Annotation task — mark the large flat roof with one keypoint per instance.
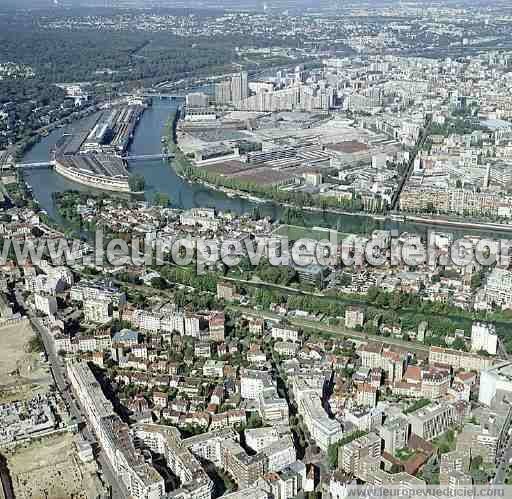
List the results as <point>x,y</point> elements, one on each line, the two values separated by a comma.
<point>348,147</point>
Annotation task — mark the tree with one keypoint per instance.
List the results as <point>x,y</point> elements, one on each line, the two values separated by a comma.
<point>162,199</point>
<point>254,421</point>
<point>136,182</point>
<point>159,283</point>
<point>476,280</point>
<point>35,344</point>
<point>396,468</point>
<point>332,456</point>
<point>459,344</point>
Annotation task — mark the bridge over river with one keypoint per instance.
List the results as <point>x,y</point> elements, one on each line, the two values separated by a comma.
<point>135,157</point>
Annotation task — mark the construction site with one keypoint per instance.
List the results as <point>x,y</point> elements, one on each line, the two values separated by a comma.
<point>51,468</point>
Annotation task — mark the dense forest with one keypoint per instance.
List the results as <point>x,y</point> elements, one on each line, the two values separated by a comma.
<point>118,55</point>
<point>123,59</point>
<point>67,56</point>
<point>110,58</point>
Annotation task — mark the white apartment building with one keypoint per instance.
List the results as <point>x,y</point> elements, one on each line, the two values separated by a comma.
<point>374,355</point>
<point>173,322</point>
<point>213,368</point>
<point>279,486</point>
<point>324,430</point>
<point>361,456</point>
<point>204,217</point>
<point>280,454</point>
<point>364,418</point>
<point>495,383</point>
<point>45,284</point>
<point>484,337</point>
<point>366,395</point>
<point>248,493</point>
<point>431,421</point>
<point>63,343</point>
<point>103,342</point>
<point>85,290</point>
<point>308,394</point>
<point>458,359</point>
<point>147,320</point>
<point>259,438</point>
<point>97,310</point>
<point>140,351</point>
<point>209,445</point>
<point>166,440</point>
<point>498,287</point>
<point>60,272</point>
<point>197,99</point>
<point>339,485</point>
<point>489,435</point>
<point>286,348</point>
<point>272,408</point>
<point>192,325</point>
<point>253,382</point>
<point>435,384</point>
<point>90,393</point>
<point>87,344</point>
<point>354,317</point>
<point>45,304</point>
<point>395,434</point>
<point>141,479</point>
<point>285,333</point>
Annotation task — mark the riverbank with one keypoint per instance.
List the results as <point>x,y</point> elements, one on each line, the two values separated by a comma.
<point>446,222</point>
<point>224,190</point>
<point>162,177</point>
<point>101,182</point>
<point>188,171</point>
<point>402,218</point>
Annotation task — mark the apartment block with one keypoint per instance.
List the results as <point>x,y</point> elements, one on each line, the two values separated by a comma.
<point>361,456</point>
<point>451,462</point>
<point>483,337</point>
<point>354,317</point>
<point>458,359</point>
<point>395,434</point>
<point>166,441</point>
<point>431,421</point>
<point>245,470</point>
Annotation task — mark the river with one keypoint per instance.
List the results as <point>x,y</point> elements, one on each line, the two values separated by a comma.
<point>161,177</point>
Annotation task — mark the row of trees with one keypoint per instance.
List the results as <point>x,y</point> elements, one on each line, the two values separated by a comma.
<point>27,104</point>
<point>406,310</point>
<point>273,193</point>
<point>189,277</point>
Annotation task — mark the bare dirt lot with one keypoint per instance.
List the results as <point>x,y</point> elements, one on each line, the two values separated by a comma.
<point>22,373</point>
<point>50,468</point>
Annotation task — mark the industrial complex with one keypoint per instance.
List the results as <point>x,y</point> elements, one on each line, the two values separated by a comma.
<point>93,156</point>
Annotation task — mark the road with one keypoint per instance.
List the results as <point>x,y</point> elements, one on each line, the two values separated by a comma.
<point>503,463</point>
<point>118,490</point>
<point>410,166</point>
